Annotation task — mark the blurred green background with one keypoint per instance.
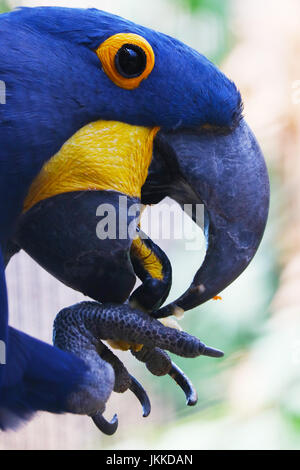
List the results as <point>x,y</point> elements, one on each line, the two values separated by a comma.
<point>251,398</point>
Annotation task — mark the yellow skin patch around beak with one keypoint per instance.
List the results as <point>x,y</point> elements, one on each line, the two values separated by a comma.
<point>149,260</point>
<point>104,155</point>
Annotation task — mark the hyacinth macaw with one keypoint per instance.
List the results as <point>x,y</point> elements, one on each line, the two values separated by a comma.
<point>86,79</point>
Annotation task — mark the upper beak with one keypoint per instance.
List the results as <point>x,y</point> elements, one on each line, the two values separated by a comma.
<point>228,175</point>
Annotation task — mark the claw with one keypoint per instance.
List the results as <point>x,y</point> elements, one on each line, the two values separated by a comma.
<point>159,363</point>
<point>141,394</point>
<point>108,428</point>
<point>212,352</point>
<point>185,384</point>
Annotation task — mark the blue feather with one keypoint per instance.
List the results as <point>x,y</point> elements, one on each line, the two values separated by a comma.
<point>37,377</point>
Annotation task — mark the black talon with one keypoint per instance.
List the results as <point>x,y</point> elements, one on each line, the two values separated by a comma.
<point>155,358</point>
<point>141,394</point>
<point>108,428</point>
<point>185,384</point>
<point>212,352</point>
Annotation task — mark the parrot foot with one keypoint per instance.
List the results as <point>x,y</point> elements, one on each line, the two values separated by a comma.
<point>80,328</point>
<point>104,368</point>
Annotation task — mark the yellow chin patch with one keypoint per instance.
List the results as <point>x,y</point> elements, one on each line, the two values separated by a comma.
<point>149,260</point>
<point>104,155</point>
<point>123,346</point>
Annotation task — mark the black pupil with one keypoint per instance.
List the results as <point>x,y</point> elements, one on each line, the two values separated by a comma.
<point>130,61</point>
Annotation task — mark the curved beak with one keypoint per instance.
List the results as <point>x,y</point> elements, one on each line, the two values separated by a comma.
<point>228,175</point>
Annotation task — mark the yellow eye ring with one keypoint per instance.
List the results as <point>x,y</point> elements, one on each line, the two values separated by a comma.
<point>127,59</point>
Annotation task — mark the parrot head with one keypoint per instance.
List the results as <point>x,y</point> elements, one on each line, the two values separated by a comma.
<point>96,66</point>
<point>76,66</point>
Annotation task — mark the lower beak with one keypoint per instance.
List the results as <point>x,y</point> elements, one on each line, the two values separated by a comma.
<point>228,175</point>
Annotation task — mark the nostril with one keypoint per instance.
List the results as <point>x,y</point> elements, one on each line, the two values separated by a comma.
<point>208,128</point>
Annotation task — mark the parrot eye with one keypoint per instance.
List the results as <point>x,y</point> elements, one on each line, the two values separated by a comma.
<point>130,61</point>
<point>127,59</point>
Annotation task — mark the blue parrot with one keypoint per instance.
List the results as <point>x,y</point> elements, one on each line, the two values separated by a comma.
<point>65,68</point>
